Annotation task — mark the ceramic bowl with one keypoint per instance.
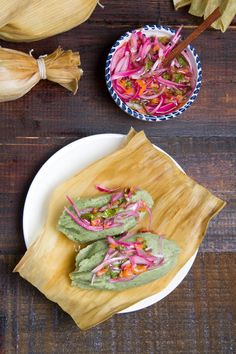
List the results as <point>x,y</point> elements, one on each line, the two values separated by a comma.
<point>150,30</point>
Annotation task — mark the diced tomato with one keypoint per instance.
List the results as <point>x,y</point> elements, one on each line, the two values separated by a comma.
<point>154,100</point>
<point>101,271</point>
<point>142,209</point>
<point>128,89</point>
<point>142,111</point>
<point>139,239</point>
<point>143,206</point>
<point>142,85</point>
<point>139,246</point>
<point>96,222</point>
<point>127,271</point>
<point>111,245</point>
<point>154,85</point>
<point>138,269</point>
<point>156,48</point>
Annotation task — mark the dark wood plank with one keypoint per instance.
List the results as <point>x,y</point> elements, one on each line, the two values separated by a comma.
<point>198,317</point>
<point>209,161</point>
<point>50,110</point>
<point>143,12</point>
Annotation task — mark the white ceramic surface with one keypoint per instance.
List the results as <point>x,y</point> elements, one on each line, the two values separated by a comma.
<point>62,165</point>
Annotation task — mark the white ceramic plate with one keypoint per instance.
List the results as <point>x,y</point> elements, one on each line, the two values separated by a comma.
<point>63,164</point>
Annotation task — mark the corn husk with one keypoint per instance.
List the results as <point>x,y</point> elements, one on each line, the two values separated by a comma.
<point>206,7</point>
<point>27,21</point>
<point>9,9</point>
<point>19,72</point>
<point>228,10</point>
<point>182,210</point>
<point>180,3</point>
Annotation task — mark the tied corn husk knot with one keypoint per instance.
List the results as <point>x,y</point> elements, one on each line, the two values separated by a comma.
<point>20,72</point>
<point>30,20</point>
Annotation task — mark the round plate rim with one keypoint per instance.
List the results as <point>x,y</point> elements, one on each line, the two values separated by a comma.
<point>147,301</point>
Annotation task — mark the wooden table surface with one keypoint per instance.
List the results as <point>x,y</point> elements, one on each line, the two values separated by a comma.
<point>199,316</point>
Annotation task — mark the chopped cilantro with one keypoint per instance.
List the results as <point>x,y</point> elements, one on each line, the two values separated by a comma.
<point>178,77</point>
<point>89,216</point>
<point>121,200</point>
<point>181,61</point>
<point>148,65</point>
<point>108,213</point>
<point>166,76</point>
<point>178,92</point>
<point>164,40</point>
<point>128,84</point>
<point>114,274</point>
<point>144,244</point>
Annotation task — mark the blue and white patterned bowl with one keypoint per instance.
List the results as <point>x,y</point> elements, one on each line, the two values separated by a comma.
<point>195,61</point>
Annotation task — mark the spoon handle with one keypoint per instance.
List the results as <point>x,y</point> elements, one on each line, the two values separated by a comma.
<point>183,44</point>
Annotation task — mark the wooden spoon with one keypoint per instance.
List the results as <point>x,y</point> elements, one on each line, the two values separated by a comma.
<point>202,27</point>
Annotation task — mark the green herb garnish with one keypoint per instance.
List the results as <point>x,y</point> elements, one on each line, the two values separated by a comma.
<point>178,77</point>
<point>181,61</point>
<point>114,274</point>
<point>89,216</point>
<point>148,64</point>
<point>128,84</point>
<point>166,76</point>
<point>178,92</point>
<point>164,40</point>
<point>108,213</point>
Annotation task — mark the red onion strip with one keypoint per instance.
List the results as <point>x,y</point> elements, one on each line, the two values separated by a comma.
<point>79,222</point>
<point>108,262</point>
<point>73,205</point>
<point>105,189</point>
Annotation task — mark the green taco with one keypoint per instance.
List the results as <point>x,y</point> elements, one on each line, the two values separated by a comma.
<point>111,213</point>
<point>132,260</point>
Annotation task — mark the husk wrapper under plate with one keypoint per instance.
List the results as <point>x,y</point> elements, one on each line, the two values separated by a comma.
<point>182,210</point>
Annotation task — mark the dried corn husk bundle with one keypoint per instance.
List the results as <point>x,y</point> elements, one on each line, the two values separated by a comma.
<point>19,72</point>
<point>180,3</point>
<point>26,20</point>
<point>182,210</point>
<point>9,9</point>
<point>206,7</point>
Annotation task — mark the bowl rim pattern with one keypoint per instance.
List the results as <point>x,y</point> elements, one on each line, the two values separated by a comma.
<point>134,113</point>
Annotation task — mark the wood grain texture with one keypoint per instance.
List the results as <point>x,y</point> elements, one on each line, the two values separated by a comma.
<point>210,161</point>
<point>217,52</point>
<point>200,313</point>
<point>198,317</point>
